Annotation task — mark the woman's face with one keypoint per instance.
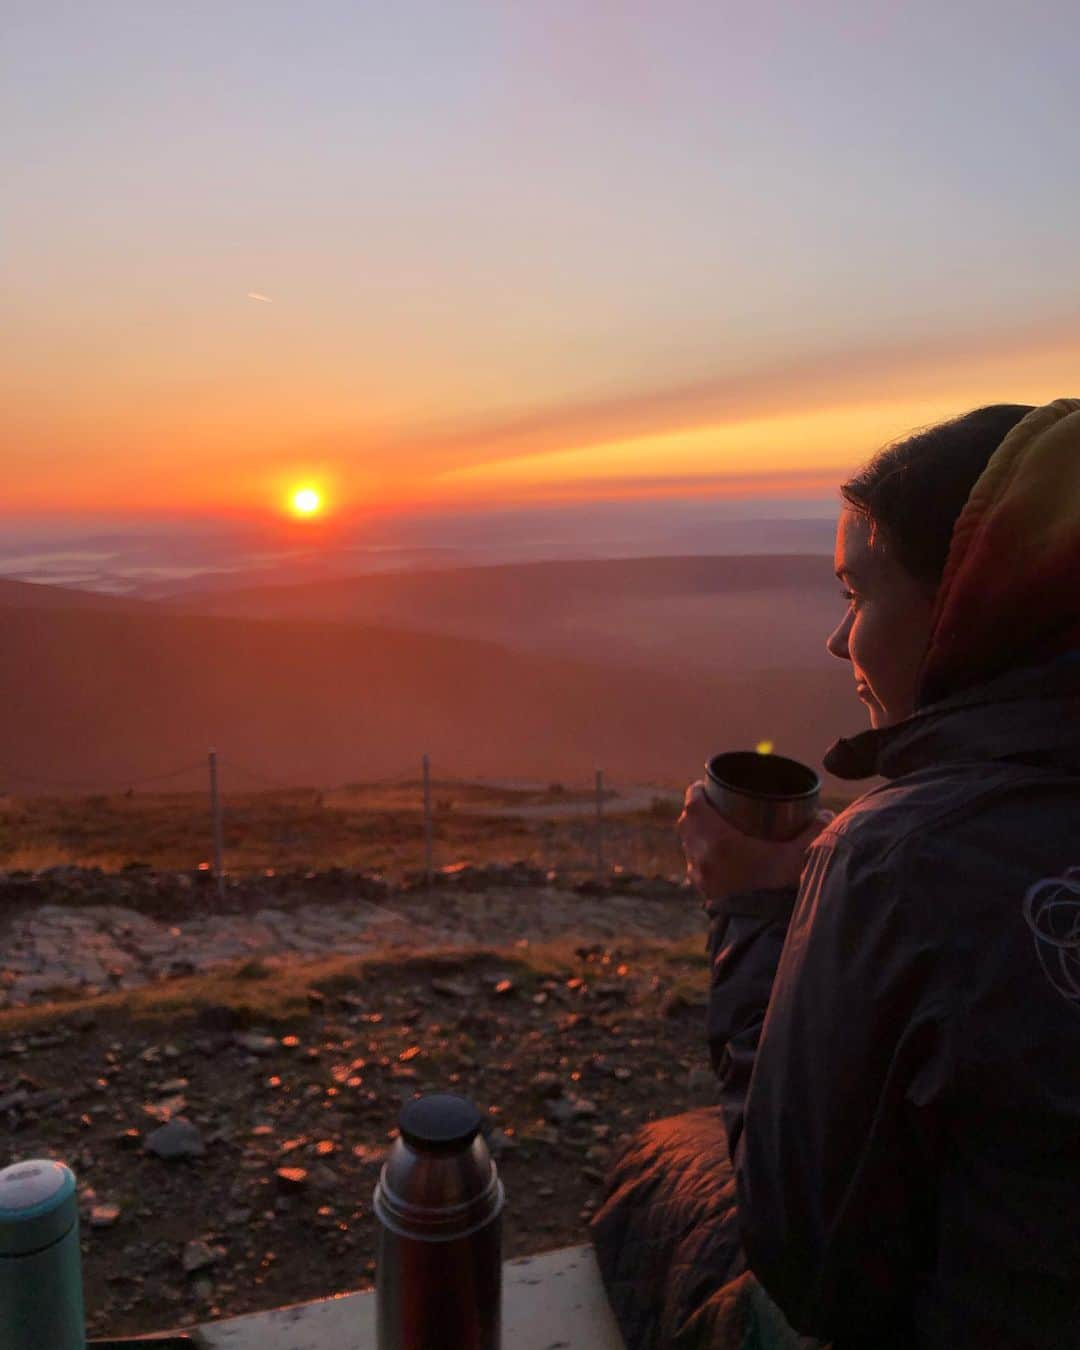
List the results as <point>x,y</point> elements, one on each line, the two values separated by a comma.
<point>885,632</point>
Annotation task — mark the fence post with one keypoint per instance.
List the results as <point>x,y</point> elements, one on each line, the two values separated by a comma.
<point>215,813</point>
<point>428,832</point>
<point>600,826</point>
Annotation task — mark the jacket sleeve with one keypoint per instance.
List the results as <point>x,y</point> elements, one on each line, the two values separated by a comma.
<point>745,940</point>
<point>835,1165</point>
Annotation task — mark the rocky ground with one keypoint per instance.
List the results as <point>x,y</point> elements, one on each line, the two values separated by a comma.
<point>79,930</point>
<point>227,1127</point>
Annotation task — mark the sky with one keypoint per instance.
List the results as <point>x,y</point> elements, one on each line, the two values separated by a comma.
<point>454,257</point>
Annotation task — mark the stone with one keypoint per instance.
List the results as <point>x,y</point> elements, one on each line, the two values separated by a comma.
<point>324,1178</point>
<point>500,1143</point>
<point>564,1110</point>
<point>104,1216</point>
<point>559,1110</point>
<point>177,1138</point>
<point>453,988</point>
<point>291,1179</point>
<point>199,1255</point>
<point>255,1043</point>
<point>166,1109</point>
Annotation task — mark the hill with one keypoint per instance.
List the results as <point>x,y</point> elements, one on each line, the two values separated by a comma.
<point>37,595</point>
<point>100,698</point>
<point>702,614</point>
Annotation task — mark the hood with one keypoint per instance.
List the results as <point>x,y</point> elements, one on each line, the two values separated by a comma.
<point>1010,593</point>
<point>1029,716</point>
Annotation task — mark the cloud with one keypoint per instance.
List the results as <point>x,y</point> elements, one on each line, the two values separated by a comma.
<point>257,295</point>
<point>955,368</point>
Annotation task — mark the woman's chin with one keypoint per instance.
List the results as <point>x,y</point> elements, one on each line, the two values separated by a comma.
<point>877,714</point>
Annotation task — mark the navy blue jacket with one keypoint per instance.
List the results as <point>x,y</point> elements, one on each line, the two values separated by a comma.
<point>899,1059</point>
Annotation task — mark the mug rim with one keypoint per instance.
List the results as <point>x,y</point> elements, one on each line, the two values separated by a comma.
<point>744,755</point>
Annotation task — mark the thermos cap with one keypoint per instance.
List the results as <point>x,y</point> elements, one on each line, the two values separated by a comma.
<point>439,1123</point>
<point>37,1205</point>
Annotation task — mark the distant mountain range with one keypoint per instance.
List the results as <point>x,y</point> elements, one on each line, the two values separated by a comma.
<point>35,595</point>
<point>641,667</point>
<point>691,614</point>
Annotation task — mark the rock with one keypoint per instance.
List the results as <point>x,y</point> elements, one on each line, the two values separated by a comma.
<point>104,1216</point>
<point>177,1138</point>
<point>324,1178</point>
<point>255,1043</point>
<point>167,1109</point>
<point>500,1143</point>
<point>291,1179</point>
<point>199,1255</point>
<point>559,1110</point>
<point>453,988</point>
<point>567,1109</point>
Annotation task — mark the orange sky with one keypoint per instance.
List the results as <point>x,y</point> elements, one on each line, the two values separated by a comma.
<point>147,444</point>
<point>427,255</point>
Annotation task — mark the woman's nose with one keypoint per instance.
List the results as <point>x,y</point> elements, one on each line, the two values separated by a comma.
<point>837,644</point>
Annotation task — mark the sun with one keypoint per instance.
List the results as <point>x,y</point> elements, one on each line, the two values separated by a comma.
<point>306,501</point>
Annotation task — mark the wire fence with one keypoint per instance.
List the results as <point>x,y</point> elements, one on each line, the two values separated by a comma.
<point>236,817</point>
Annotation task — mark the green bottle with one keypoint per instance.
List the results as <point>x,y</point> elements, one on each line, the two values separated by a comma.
<point>41,1294</point>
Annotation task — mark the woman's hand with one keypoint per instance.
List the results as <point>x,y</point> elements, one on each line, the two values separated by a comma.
<point>721,860</point>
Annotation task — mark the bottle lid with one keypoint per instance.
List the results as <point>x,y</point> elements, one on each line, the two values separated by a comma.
<point>440,1123</point>
<point>37,1205</point>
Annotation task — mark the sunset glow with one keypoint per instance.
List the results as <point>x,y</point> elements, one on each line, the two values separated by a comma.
<point>509,325</point>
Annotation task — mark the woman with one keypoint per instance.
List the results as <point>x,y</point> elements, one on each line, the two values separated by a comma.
<point>895,1007</point>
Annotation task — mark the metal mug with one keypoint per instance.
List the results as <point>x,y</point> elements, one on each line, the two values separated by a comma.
<point>438,1279</point>
<point>767,796</point>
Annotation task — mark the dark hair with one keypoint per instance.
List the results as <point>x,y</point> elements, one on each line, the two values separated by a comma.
<point>914,491</point>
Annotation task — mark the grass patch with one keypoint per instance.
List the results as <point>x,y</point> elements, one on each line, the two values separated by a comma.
<point>277,991</point>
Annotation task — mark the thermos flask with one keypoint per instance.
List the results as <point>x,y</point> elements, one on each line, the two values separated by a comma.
<point>41,1294</point>
<point>438,1280</point>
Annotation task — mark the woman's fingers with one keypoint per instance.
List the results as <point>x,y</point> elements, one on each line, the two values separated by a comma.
<point>721,860</point>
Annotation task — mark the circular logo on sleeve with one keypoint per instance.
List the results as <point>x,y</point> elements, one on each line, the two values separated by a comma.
<point>1052,912</point>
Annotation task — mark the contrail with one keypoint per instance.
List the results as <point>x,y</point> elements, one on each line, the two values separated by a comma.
<point>254,295</point>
